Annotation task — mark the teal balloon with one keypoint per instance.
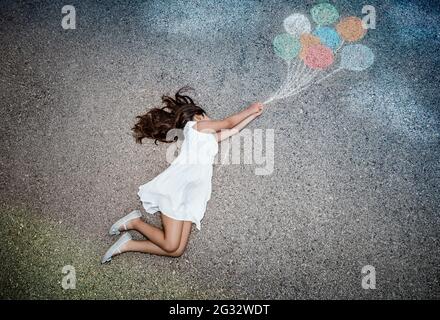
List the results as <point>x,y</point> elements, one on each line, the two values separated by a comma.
<point>328,36</point>
<point>324,14</point>
<point>356,57</point>
<point>286,46</point>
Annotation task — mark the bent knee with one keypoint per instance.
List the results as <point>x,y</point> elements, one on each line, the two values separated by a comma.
<point>171,246</point>
<point>177,253</point>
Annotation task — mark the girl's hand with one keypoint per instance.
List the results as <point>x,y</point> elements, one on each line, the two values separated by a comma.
<point>257,114</point>
<point>256,107</point>
<point>224,134</point>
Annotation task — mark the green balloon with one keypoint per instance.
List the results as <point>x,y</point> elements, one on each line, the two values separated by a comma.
<point>324,14</point>
<point>286,46</point>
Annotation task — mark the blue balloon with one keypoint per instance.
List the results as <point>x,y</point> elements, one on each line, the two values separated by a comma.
<point>328,36</point>
<point>356,57</point>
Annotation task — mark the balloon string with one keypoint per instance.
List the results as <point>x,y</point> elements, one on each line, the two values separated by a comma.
<point>305,85</point>
<point>306,77</point>
<point>306,73</point>
<point>340,46</point>
<point>281,88</point>
<point>297,67</point>
<point>318,81</point>
<point>284,83</point>
<point>288,79</point>
<point>329,75</point>
<point>286,88</point>
<point>306,81</point>
<point>298,70</point>
<point>295,79</point>
<point>303,81</point>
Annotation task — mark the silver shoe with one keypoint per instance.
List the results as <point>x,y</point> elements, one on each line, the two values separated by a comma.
<point>114,229</point>
<point>115,248</point>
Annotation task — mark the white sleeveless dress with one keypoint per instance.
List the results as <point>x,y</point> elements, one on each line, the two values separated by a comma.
<point>184,188</point>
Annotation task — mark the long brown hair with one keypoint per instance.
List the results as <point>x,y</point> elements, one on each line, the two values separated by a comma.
<point>175,113</point>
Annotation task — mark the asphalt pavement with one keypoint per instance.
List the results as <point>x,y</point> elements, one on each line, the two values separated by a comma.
<point>356,168</point>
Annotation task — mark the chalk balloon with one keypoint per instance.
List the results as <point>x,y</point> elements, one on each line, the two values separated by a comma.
<point>351,29</point>
<point>328,36</point>
<point>356,57</point>
<point>307,40</point>
<point>297,24</point>
<point>324,14</point>
<point>286,46</point>
<point>319,57</point>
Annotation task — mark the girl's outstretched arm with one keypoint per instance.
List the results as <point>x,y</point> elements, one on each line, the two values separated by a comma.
<point>226,133</point>
<point>229,122</point>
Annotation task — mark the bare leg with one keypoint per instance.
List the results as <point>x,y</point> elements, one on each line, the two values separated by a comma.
<point>147,246</point>
<point>168,239</point>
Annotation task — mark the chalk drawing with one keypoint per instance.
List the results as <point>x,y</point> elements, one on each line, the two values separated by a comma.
<point>314,56</point>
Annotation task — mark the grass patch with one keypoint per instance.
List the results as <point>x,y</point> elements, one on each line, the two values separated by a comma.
<point>34,251</point>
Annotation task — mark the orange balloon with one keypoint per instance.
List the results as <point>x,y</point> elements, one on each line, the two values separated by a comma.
<point>351,29</point>
<point>307,40</point>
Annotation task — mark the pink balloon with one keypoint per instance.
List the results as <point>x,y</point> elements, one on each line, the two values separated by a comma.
<point>319,57</point>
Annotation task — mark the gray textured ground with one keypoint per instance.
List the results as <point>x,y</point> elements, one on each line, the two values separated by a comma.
<point>356,176</point>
